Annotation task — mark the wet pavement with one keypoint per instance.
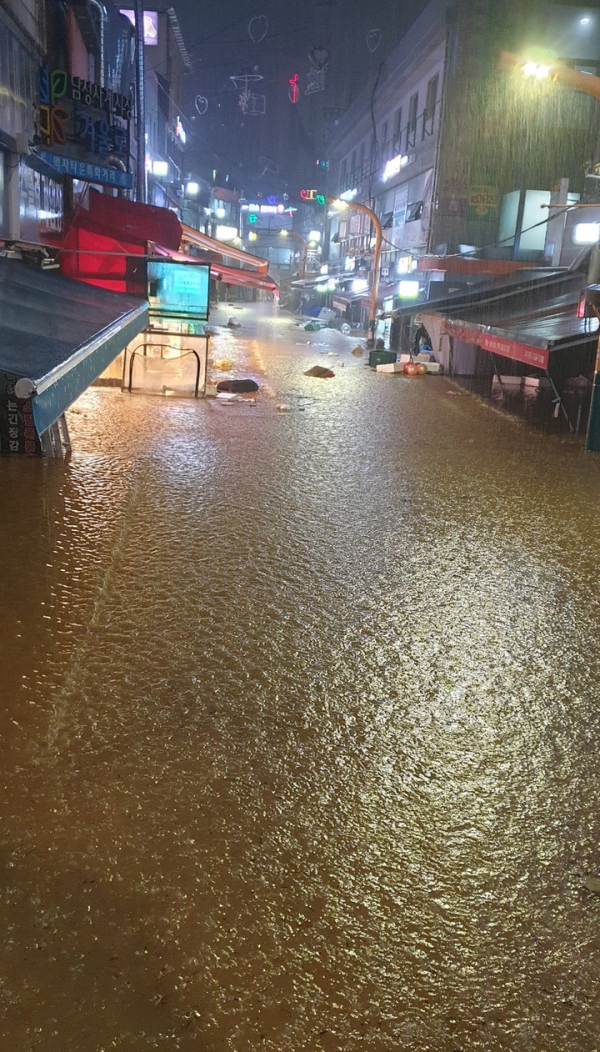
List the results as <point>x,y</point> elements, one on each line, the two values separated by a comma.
<point>300,723</point>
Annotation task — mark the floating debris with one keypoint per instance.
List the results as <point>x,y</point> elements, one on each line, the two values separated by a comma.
<point>320,371</point>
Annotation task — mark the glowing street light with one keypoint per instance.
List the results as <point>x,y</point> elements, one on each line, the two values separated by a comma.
<point>536,69</point>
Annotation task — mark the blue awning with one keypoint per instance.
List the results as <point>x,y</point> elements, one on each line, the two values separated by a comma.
<point>56,337</point>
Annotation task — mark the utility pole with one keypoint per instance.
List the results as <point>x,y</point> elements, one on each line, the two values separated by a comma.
<point>140,104</point>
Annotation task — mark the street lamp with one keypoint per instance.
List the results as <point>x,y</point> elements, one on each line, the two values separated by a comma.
<point>341,205</point>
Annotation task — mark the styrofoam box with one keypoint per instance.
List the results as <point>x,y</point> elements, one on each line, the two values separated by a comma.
<point>512,383</point>
<point>391,367</point>
<point>536,381</point>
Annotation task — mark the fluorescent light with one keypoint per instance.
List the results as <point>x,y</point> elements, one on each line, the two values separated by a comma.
<point>584,21</point>
<point>226,233</point>
<point>586,233</point>
<point>314,235</point>
<point>192,189</point>
<point>408,290</point>
<point>160,168</point>
<point>349,195</point>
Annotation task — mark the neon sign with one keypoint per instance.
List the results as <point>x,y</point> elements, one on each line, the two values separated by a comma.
<point>293,90</point>
<point>313,195</point>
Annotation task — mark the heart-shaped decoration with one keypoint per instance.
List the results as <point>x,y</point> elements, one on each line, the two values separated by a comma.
<point>201,104</point>
<point>258,28</point>
<point>373,39</point>
<point>319,56</point>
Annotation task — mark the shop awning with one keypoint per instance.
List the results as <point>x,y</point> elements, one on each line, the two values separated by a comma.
<point>56,337</point>
<point>189,236</point>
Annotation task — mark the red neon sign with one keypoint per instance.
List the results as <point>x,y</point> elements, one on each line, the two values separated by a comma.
<point>293,90</point>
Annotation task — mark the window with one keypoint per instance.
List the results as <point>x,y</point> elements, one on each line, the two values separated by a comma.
<point>411,127</point>
<point>397,127</point>
<point>430,105</point>
<point>414,211</point>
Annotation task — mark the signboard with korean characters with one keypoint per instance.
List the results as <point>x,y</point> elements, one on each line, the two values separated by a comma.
<point>83,129</point>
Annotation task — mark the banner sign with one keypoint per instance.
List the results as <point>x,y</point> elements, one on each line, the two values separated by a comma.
<point>178,291</point>
<point>519,352</point>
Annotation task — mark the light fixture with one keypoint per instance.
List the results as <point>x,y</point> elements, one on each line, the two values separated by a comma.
<point>252,236</point>
<point>220,213</point>
<point>408,290</point>
<point>536,69</point>
<point>192,189</point>
<point>324,269</point>
<point>340,205</point>
<point>283,233</point>
<point>160,168</point>
<point>359,285</point>
<point>586,233</point>
<point>226,233</point>
<point>584,21</point>
<point>314,235</point>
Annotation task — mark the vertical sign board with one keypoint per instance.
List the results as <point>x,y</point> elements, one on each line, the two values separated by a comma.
<point>178,291</point>
<point>17,429</point>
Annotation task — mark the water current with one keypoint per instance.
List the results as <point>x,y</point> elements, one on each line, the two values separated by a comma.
<point>300,721</point>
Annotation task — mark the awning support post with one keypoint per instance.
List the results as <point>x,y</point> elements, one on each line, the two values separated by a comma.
<point>559,401</point>
<point>592,439</point>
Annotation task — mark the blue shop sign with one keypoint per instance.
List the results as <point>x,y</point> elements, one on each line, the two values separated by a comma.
<point>85,170</point>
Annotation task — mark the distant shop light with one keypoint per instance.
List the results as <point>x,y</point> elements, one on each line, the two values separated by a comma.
<point>220,212</point>
<point>180,131</point>
<point>359,285</point>
<point>404,265</point>
<point>252,236</point>
<point>192,189</point>
<point>586,233</point>
<point>226,233</point>
<point>314,235</point>
<point>160,168</point>
<point>150,24</point>
<point>408,290</point>
<point>394,166</point>
<point>324,269</point>
<point>349,195</point>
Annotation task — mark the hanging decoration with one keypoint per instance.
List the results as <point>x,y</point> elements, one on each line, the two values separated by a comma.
<point>315,78</point>
<point>293,90</point>
<point>373,39</point>
<point>258,27</point>
<point>250,103</point>
<point>201,104</point>
<point>268,165</point>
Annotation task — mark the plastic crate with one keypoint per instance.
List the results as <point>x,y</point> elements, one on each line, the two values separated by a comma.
<point>381,358</point>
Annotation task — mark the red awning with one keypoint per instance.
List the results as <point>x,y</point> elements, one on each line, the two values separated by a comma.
<point>503,345</point>
<point>189,236</point>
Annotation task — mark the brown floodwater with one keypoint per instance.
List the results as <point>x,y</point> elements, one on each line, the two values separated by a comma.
<point>300,721</point>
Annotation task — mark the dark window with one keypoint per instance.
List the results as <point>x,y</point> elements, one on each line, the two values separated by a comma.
<point>414,211</point>
<point>397,127</point>
<point>430,105</point>
<point>411,128</point>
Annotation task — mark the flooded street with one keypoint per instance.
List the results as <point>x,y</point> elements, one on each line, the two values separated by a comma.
<point>300,723</point>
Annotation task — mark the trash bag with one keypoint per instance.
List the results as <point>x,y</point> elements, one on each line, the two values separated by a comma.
<point>237,386</point>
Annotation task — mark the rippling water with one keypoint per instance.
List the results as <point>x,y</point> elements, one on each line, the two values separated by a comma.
<point>300,722</point>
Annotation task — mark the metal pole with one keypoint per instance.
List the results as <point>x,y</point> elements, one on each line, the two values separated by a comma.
<point>140,106</point>
<point>592,440</point>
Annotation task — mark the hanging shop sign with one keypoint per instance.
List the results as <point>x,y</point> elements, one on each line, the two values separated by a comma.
<point>40,204</point>
<point>483,202</point>
<point>83,129</point>
<point>519,352</point>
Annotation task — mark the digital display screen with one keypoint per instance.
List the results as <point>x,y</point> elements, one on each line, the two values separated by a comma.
<point>178,291</point>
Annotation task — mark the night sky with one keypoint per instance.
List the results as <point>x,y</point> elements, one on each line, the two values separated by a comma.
<point>280,147</point>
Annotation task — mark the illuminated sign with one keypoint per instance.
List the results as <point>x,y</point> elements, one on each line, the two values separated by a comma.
<point>150,24</point>
<point>293,90</point>
<point>408,290</point>
<point>265,209</point>
<point>349,195</point>
<point>178,291</point>
<point>84,127</point>
<point>313,195</point>
<point>395,165</point>
<point>252,217</point>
